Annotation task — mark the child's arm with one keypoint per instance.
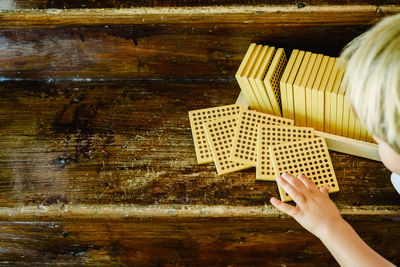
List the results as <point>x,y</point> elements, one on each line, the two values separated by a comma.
<point>319,215</point>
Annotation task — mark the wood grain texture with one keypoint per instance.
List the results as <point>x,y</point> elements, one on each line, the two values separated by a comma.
<point>163,43</point>
<point>130,143</point>
<point>248,15</point>
<point>188,51</point>
<point>183,242</point>
<point>63,4</point>
<point>97,163</point>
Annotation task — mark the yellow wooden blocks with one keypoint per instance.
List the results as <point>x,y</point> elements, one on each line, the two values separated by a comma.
<point>309,157</point>
<point>220,134</point>
<point>307,89</point>
<point>197,118</point>
<point>244,148</point>
<point>273,135</point>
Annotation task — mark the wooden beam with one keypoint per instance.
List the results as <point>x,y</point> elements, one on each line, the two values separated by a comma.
<point>277,15</point>
<point>182,242</point>
<point>64,4</point>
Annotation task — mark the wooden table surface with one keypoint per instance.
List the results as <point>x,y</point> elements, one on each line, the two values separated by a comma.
<point>97,163</point>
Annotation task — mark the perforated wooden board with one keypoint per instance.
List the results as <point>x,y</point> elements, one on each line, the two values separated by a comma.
<point>299,94</point>
<point>330,97</point>
<point>264,58</point>
<point>310,83</point>
<point>336,102</point>
<point>272,78</point>
<point>352,119</point>
<point>282,83</point>
<point>314,92</point>
<point>256,79</point>
<point>220,134</point>
<point>240,71</point>
<point>244,148</point>
<point>273,135</point>
<point>289,85</point>
<point>309,157</point>
<point>200,116</point>
<point>321,95</point>
<point>245,78</point>
<point>303,91</point>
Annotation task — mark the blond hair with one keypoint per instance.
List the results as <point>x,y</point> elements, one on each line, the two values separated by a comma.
<point>373,79</point>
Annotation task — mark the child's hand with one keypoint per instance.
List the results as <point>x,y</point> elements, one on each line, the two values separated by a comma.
<point>314,211</point>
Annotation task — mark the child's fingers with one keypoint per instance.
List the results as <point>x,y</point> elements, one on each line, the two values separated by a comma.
<point>325,190</point>
<point>286,208</point>
<point>296,183</point>
<point>307,182</point>
<point>291,190</point>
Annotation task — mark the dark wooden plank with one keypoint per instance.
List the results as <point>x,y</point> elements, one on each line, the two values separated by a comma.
<point>195,51</point>
<point>130,143</point>
<point>166,43</point>
<point>182,242</point>
<point>20,4</point>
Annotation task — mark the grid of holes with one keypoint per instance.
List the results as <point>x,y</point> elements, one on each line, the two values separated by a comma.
<point>274,135</point>
<point>310,158</point>
<point>269,63</point>
<point>199,117</point>
<point>246,140</point>
<point>277,75</point>
<point>221,134</point>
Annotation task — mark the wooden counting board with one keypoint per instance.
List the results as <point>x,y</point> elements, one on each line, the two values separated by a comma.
<point>329,96</point>
<point>284,79</point>
<point>272,78</point>
<point>309,157</point>
<point>310,83</point>
<point>334,100</point>
<point>244,66</point>
<point>299,93</point>
<point>296,71</point>
<point>245,141</point>
<point>260,65</point>
<point>273,135</point>
<point>314,93</point>
<point>197,118</point>
<point>220,135</point>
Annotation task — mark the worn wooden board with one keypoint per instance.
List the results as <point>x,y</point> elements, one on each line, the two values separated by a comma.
<point>20,4</point>
<point>174,241</point>
<point>129,142</point>
<point>199,43</point>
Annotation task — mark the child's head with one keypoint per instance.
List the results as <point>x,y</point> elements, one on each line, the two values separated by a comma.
<point>373,81</point>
